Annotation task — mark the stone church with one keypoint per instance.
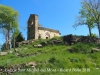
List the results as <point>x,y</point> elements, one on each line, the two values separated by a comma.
<point>35,31</point>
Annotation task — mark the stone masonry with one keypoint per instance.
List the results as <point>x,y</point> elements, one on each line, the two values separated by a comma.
<point>36,32</point>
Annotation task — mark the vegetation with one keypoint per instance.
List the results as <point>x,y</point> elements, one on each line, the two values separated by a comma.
<point>89,15</point>
<point>55,59</point>
<point>8,22</point>
<point>92,7</point>
<point>3,47</point>
<point>85,19</point>
<point>93,35</point>
<point>52,59</point>
<point>19,38</point>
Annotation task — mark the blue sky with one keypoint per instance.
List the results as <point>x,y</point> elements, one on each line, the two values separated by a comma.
<point>54,14</point>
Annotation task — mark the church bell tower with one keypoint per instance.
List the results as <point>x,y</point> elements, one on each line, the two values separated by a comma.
<point>32,32</point>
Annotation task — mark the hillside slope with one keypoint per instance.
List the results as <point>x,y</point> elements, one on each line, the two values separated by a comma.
<point>50,60</point>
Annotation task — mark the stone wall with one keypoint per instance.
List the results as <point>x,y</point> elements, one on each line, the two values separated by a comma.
<point>71,39</point>
<point>50,34</point>
<point>34,30</point>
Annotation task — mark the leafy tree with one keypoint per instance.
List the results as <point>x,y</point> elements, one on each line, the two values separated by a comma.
<point>3,47</point>
<point>0,47</point>
<point>18,38</point>
<point>85,19</point>
<point>15,34</point>
<point>4,32</point>
<point>93,8</point>
<point>8,21</point>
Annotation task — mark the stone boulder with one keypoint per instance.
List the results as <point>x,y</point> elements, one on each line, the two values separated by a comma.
<point>25,43</point>
<point>68,39</point>
<point>32,64</point>
<point>55,42</point>
<point>3,53</point>
<point>95,50</point>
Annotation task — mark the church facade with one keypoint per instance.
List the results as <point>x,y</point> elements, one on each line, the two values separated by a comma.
<point>37,32</point>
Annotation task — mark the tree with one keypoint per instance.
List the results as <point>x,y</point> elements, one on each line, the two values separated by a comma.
<point>18,38</point>
<point>15,34</point>
<point>8,21</point>
<point>85,19</point>
<point>4,32</point>
<point>0,47</point>
<point>3,47</point>
<point>93,8</point>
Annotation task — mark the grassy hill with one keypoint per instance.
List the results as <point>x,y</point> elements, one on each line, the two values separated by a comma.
<point>53,60</point>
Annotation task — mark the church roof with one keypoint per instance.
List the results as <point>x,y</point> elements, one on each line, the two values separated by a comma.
<point>52,30</point>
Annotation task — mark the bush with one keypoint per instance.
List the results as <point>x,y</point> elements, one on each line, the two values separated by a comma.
<point>57,37</point>
<point>93,35</point>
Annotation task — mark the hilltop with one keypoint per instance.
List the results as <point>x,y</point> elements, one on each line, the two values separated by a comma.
<point>52,58</point>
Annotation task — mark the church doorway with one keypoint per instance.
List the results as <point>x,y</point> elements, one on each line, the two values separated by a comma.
<point>47,35</point>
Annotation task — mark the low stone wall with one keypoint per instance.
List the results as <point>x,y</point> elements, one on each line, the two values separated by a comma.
<point>25,42</point>
<point>71,39</point>
<point>68,40</point>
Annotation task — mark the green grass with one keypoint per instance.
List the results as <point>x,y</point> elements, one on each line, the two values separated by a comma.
<point>56,57</point>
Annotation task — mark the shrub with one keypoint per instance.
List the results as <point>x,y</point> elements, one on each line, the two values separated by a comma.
<point>93,35</point>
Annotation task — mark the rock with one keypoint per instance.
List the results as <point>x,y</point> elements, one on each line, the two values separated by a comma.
<point>58,41</point>
<point>17,54</point>
<point>55,42</point>
<point>32,64</point>
<point>66,44</point>
<point>95,50</point>
<point>80,39</point>
<point>25,42</point>
<point>10,51</point>
<point>3,53</point>
<point>23,65</point>
<point>31,41</point>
